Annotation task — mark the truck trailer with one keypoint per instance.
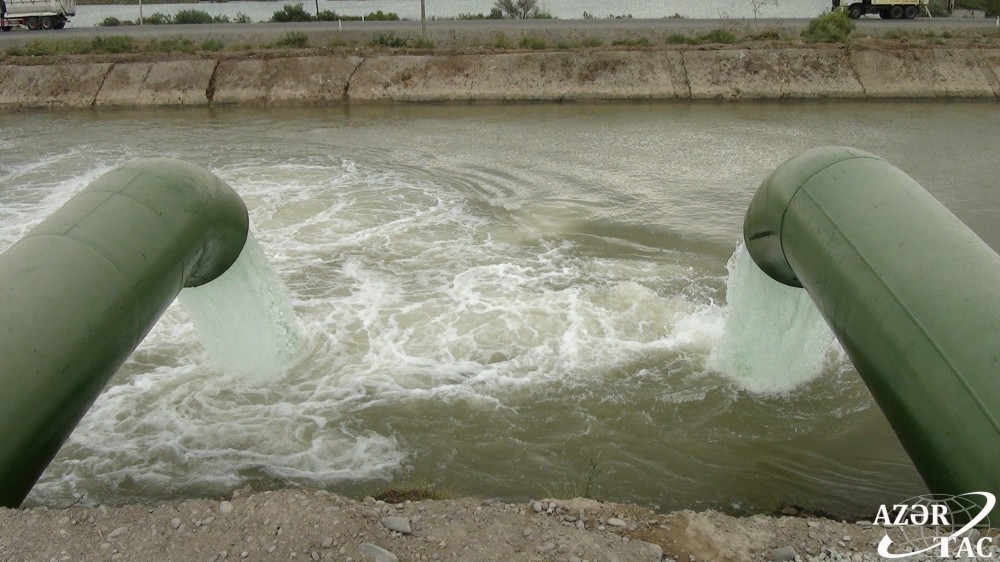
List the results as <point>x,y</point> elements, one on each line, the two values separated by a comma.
<point>37,14</point>
<point>886,9</point>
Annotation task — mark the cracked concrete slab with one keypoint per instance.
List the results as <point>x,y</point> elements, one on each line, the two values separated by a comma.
<point>595,75</point>
<point>614,75</point>
<point>771,74</point>
<point>991,65</point>
<point>164,83</point>
<point>292,80</point>
<point>60,85</point>
<point>4,70</point>
<point>921,73</point>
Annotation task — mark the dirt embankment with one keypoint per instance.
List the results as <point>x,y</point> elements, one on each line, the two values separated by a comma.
<point>306,525</point>
<point>348,77</point>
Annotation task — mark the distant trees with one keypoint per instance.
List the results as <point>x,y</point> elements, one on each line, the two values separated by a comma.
<point>991,7</point>
<point>296,13</point>
<point>181,17</point>
<point>291,13</point>
<point>519,9</point>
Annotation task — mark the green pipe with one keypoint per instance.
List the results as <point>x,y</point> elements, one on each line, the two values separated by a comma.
<point>81,290</point>
<point>912,294</point>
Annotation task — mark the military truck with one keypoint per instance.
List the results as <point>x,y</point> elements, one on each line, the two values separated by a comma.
<point>886,9</point>
<point>37,14</point>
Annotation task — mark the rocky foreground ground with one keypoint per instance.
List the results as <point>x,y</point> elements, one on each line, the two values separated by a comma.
<point>308,525</point>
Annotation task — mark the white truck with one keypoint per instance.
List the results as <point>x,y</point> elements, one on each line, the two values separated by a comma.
<point>36,14</point>
<point>886,9</point>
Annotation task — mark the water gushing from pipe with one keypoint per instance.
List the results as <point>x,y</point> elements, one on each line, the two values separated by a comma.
<point>245,319</point>
<point>774,337</point>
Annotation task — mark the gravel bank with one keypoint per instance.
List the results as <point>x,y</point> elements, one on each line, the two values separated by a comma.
<point>317,525</point>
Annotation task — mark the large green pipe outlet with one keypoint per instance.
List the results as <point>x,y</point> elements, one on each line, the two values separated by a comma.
<point>83,288</point>
<point>911,292</point>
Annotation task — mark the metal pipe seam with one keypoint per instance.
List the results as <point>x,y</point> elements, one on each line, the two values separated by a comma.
<point>80,291</point>
<point>909,290</point>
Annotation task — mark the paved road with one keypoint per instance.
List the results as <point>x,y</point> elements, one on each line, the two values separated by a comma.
<point>444,32</point>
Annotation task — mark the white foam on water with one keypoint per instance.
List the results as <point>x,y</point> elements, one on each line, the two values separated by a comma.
<point>245,319</point>
<point>403,293</point>
<point>479,301</point>
<point>774,338</point>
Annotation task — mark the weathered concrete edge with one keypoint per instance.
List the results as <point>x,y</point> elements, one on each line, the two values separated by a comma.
<point>720,74</point>
<point>155,84</point>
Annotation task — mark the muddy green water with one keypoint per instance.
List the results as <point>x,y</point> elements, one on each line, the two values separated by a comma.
<point>508,301</point>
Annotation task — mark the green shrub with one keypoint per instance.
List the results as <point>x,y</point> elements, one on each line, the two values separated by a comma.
<point>495,14</point>
<point>717,36</point>
<point>293,40</point>
<point>766,36</point>
<point>938,8</point>
<point>339,43</point>
<point>640,42</point>
<point>382,16</point>
<point>593,42</point>
<point>533,43</point>
<point>327,15</point>
<point>156,19</point>
<point>242,18</point>
<point>110,21</point>
<point>390,40</point>
<point>38,47</point>
<point>78,46</point>
<point>679,39</point>
<point>291,13</point>
<point>831,27</point>
<point>502,42</point>
<point>213,45</point>
<point>193,16</point>
<point>424,43</point>
<point>991,7</point>
<point>113,44</point>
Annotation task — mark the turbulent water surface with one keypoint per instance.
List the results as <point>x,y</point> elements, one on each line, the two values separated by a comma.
<point>504,301</point>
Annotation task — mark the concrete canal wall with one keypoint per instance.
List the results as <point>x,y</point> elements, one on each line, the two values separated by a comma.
<point>544,76</point>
